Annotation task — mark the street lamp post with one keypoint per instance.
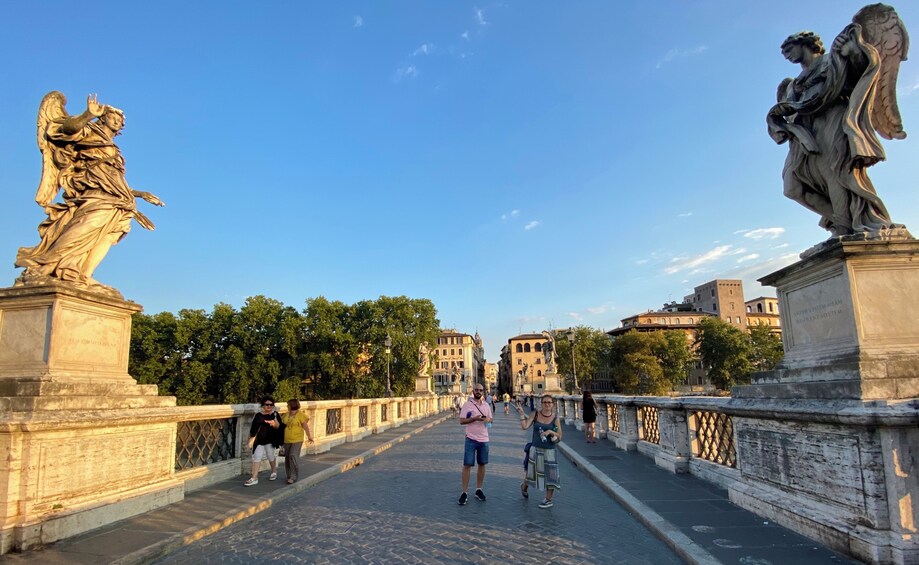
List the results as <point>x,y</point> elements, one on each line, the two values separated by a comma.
<point>388,343</point>
<point>574,370</point>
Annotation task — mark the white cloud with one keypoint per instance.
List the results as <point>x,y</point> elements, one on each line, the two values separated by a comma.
<point>693,263</point>
<point>765,233</point>
<point>642,261</point>
<point>675,54</point>
<point>480,17</point>
<point>425,49</point>
<point>575,315</point>
<point>531,225</point>
<point>531,319</point>
<point>511,214</point>
<point>749,257</point>
<point>465,35</point>
<point>684,215</point>
<point>597,309</point>
<point>408,71</point>
<point>750,273</point>
<point>358,21</point>
<point>781,246</point>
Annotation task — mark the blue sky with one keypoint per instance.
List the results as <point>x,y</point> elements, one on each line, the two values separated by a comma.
<point>524,165</point>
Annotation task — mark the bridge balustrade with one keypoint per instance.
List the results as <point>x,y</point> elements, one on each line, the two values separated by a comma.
<point>211,440</point>
<point>684,435</point>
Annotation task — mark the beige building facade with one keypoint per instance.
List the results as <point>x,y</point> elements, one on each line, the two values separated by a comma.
<point>460,361</point>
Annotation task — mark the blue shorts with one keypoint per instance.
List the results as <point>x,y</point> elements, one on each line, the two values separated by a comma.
<point>475,451</point>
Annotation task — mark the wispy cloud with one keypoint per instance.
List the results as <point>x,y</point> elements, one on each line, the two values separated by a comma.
<point>684,215</point>
<point>750,257</point>
<point>425,49</point>
<point>511,214</point>
<point>781,246</point>
<point>576,316</point>
<point>693,263</point>
<point>480,17</point>
<point>465,35</point>
<point>597,309</point>
<point>749,273</point>
<point>407,71</point>
<point>765,233</point>
<point>675,54</point>
<point>530,319</point>
<point>358,21</point>
<point>531,225</point>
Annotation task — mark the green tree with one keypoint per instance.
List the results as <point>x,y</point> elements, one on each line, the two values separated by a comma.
<point>725,351</point>
<point>674,355</point>
<point>766,348</point>
<point>591,354</point>
<point>638,361</point>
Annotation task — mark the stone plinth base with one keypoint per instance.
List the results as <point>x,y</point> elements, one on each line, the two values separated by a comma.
<point>551,384</point>
<point>850,322</point>
<point>840,472</point>
<point>81,443</point>
<point>423,386</point>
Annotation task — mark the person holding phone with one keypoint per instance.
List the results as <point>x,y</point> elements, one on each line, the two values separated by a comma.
<point>476,415</point>
<point>542,462</point>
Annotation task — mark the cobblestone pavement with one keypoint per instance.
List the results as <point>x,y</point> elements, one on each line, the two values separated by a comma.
<point>401,507</point>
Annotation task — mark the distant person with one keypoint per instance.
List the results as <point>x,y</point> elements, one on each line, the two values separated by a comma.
<point>456,405</point>
<point>507,402</point>
<point>476,415</point>
<point>264,439</point>
<point>296,427</point>
<point>542,462</point>
<point>589,412</point>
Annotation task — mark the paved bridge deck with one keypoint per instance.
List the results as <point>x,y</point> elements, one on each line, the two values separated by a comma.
<point>398,505</point>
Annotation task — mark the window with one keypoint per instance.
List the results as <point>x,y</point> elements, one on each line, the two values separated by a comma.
<point>715,306</point>
<point>445,353</point>
<point>738,319</point>
<point>538,347</point>
<point>538,361</point>
<point>519,361</point>
<point>526,347</point>
<point>759,308</point>
<point>519,348</point>
<point>460,364</point>
<point>713,293</point>
<point>538,373</point>
<point>770,307</point>
<point>677,321</point>
<point>452,352</point>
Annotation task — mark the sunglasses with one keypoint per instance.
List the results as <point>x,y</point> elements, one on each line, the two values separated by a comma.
<point>267,405</point>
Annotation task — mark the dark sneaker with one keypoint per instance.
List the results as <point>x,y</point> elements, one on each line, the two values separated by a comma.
<point>479,494</point>
<point>545,504</point>
<point>463,499</point>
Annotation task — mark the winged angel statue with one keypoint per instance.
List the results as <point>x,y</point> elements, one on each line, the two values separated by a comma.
<point>829,115</point>
<point>80,158</point>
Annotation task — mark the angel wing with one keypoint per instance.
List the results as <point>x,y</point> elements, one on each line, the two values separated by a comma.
<point>51,109</point>
<point>882,28</point>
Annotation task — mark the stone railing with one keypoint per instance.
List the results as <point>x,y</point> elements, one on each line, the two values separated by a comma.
<point>211,440</point>
<point>684,435</point>
<point>841,471</point>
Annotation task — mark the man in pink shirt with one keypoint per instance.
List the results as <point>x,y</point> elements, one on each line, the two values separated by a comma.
<point>477,417</point>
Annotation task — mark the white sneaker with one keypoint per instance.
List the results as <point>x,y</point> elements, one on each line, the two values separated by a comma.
<point>250,482</point>
<point>272,476</point>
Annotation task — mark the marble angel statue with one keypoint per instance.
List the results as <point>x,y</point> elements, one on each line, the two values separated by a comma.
<point>550,356</point>
<point>80,159</point>
<point>831,113</point>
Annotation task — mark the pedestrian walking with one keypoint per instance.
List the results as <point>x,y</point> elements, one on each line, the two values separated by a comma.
<point>296,429</point>
<point>507,401</point>
<point>542,462</point>
<point>476,415</point>
<point>589,415</point>
<point>264,439</point>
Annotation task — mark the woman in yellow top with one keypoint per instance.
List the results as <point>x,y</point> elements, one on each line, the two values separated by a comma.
<point>297,423</point>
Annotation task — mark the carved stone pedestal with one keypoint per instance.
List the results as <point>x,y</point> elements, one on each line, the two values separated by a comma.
<point>850,323</point>
<point>423,386</point>
<point>81,443</point>
<point>828,443</point>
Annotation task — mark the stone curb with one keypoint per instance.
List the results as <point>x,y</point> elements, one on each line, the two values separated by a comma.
<point>687,549</point>
<point>177,541</point>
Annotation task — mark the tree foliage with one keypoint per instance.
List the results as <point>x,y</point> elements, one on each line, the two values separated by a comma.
<point>649,362</point>
<point>265,347</point>
<point>591,355</point>
<point>725,351</point>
